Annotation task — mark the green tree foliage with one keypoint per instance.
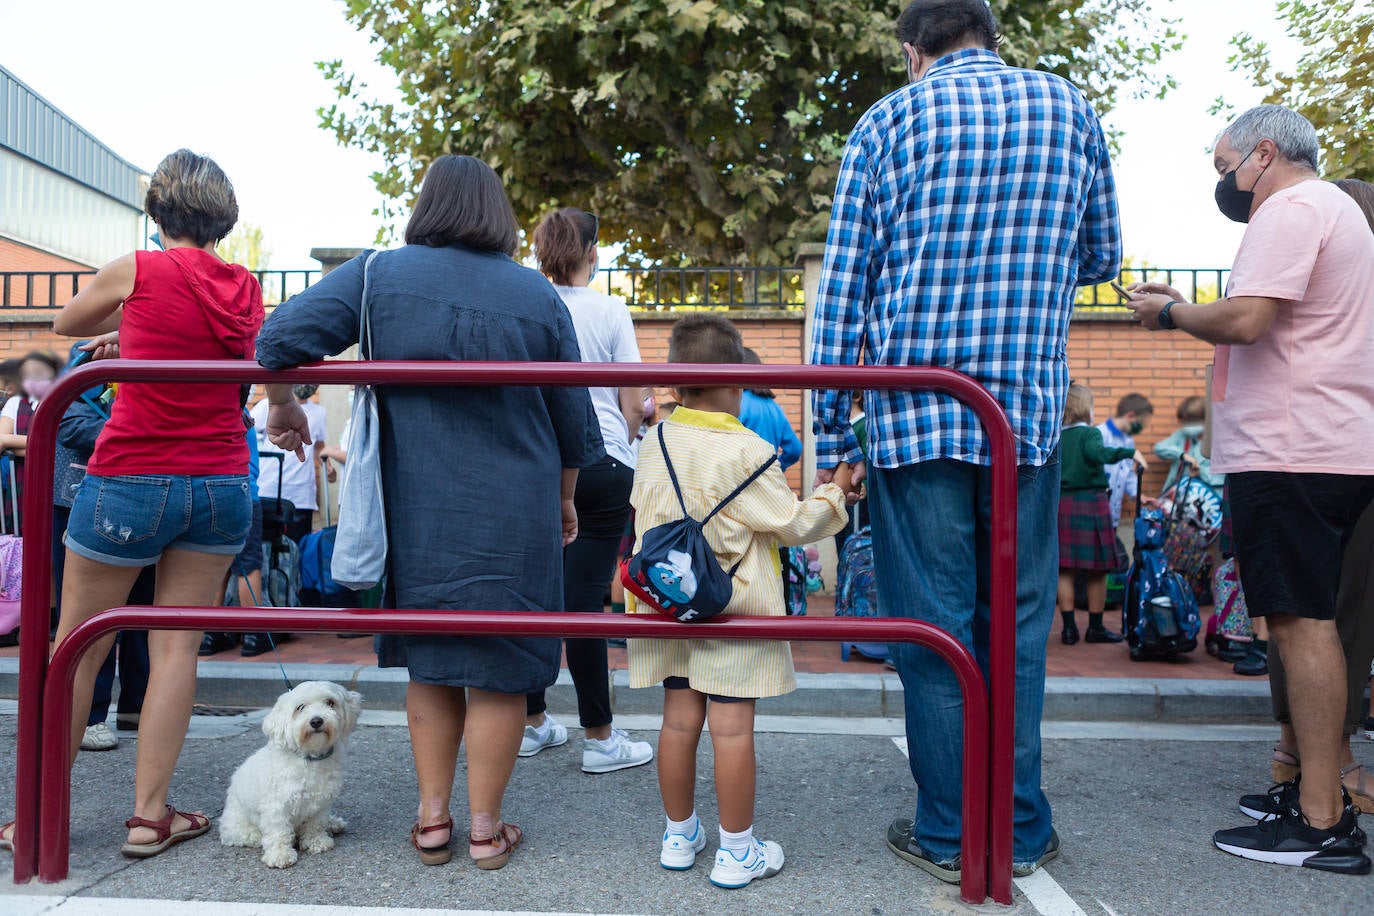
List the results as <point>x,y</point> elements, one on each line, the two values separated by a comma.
<point>701,131</point>
<point>245,246</point>
<point>1332,82</point>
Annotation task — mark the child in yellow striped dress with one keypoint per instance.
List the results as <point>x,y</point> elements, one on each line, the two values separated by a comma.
<point>719,680</point>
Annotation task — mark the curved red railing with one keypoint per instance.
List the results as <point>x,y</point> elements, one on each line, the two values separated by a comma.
<point>42,790</point>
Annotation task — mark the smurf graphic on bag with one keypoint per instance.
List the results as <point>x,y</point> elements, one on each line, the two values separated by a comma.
<point>675,569</point>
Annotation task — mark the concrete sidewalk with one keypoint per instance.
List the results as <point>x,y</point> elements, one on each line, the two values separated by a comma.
<point>240,685</point>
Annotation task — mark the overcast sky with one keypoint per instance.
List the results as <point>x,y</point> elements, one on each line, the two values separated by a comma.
<point>238,82</point>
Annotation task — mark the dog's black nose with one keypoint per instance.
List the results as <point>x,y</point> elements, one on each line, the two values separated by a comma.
<point>316,722</point>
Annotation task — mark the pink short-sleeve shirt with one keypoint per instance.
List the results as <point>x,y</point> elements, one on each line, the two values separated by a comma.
<point>1301,399</point>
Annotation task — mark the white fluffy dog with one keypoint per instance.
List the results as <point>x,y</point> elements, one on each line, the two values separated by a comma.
<point>280,797</point>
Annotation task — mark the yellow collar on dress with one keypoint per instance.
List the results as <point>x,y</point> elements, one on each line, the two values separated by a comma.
<point>706,419</point>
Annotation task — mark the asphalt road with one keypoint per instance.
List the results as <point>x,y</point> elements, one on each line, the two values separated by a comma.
<point>1135,816</point>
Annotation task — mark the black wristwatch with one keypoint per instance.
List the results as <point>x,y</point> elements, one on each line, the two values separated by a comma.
<point>1166,318</point>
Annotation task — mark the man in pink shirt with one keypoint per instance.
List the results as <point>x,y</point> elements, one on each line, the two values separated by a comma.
<point>1293,421</point>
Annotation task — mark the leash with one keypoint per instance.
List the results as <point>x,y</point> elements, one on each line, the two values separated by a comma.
<point>270,641</point>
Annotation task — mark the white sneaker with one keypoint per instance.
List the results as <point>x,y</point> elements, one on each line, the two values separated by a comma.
<point>537,739</point>
<point>621,755</point>
<point>764,860</point>
<point>680,851</point>
<point>98,737</point>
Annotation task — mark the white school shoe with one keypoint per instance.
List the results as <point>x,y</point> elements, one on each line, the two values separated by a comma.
<point>680,851</point>
<point>98,737</point>
<point>553,735</point>
<point>764,860</point>
<point>621,755</point>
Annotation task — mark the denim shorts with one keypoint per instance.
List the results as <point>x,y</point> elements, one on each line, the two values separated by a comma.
<point>131,520</point>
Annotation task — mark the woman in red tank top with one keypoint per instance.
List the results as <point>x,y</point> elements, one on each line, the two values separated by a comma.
<point>168,483</point>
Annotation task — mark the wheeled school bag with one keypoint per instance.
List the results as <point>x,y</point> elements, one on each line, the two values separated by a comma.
<point>1160,617</point>
<point>11,564</point>
<point>1193,510</point>
<point>856,591</point>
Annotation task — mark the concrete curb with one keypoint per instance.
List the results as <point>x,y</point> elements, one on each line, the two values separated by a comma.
<point>868,695</point>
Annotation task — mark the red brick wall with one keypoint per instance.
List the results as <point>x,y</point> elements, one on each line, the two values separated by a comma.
<point>776,340</point>
<point>1115,358</point>
<point>17,257</point>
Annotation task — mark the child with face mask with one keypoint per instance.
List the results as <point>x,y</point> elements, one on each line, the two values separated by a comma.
<point>1184,446</point>
<point>37,372</point>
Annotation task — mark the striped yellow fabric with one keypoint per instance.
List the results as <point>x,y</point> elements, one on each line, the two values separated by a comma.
<point>712,454</point>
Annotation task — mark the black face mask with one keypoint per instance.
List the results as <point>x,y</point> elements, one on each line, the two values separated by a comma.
<point>1135,428</point>
<point>1234,203</point>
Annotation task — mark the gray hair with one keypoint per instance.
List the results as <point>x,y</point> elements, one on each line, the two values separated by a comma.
<point>1292,133</point>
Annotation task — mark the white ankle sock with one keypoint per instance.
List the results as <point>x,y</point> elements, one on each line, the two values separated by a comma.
<point>737,844</point>
<point>542,729</point>
<point>687,828</point>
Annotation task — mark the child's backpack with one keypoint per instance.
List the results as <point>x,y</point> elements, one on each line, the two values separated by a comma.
<point>11,566</point>
<point>1160,614</point>
<point>1194,513</point>
<point>11,569</point>
<point>794,580</point>
<point>675,569</point>
<point>856,594</point>
<point>1232,616</point>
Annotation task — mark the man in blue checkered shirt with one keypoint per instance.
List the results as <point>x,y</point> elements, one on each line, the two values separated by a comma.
<point>971,204</point>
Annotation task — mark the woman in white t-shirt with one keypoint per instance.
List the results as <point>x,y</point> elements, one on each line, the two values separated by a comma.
<point>565,245</point>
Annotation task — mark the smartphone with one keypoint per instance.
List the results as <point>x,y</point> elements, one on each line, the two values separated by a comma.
<point>1122,291</point>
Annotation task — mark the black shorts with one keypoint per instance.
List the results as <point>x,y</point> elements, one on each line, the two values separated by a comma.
<point>250,558</point>
<point>681,683</point>
<point>1291,531</point>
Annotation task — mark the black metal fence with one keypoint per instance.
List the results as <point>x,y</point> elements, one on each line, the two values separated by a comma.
<point>659,289</point>
<point>655,289</point>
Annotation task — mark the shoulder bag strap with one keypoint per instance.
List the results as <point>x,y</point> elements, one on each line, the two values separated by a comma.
<point>672,474</point>
<point>364,318</point>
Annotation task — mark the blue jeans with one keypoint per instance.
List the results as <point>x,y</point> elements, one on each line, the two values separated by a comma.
<point>930,555</point>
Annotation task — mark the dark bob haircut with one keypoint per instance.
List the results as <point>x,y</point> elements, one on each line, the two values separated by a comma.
<point>936,26</point>
<point>190,197</point>
<point>462,202</point>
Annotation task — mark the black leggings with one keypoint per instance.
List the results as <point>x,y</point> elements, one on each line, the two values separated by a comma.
<point>603,509</point>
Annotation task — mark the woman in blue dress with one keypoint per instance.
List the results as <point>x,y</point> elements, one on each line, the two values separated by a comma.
<point>478,481</point>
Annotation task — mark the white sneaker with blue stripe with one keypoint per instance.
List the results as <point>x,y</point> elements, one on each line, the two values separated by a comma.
<point>680,851</point>
<point>763,860</point>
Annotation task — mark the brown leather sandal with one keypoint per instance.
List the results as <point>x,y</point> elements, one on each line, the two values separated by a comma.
<point>508,836</point>
<point>166,837</point>
<point>1362,796</point>
<point>7,837</point>
<point>433,855</point>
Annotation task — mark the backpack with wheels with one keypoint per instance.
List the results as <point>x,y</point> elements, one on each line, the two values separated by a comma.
<point>11,566</point>
<point>856,591</point>
<point>1160,614</point>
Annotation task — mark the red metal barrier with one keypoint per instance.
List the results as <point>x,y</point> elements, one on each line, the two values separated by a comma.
<point>42,774</point>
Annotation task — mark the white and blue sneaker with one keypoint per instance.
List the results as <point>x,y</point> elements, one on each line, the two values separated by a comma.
<point>550,734</point>
<point>680,851</point>
<point>763,860</point>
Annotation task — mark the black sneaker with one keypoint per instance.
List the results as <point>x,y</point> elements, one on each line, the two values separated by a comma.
<point>1289,840</point>
<point>904,845</point>
<point>1254,664</point>
<point>1285,795</point>
<point>214,643</point>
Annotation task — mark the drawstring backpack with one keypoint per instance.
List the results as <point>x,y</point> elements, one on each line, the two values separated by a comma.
<point>675,570</point>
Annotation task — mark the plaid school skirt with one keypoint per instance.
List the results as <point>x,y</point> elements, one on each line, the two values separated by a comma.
<point>1087,539</point>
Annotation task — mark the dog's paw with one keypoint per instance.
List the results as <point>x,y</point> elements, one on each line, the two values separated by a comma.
<point>336,825</point>
<point>316,844</point>
<point>277,857</point>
